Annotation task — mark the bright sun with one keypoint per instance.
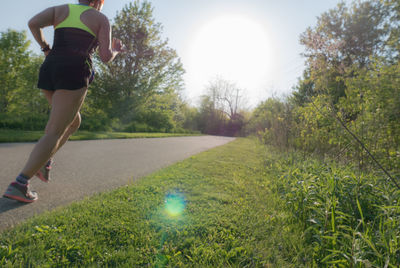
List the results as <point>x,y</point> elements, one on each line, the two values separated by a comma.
<point>233,47</point>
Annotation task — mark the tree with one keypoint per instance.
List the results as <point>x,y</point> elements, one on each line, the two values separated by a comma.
<point>30,105</point>
<point>349,92</point>
<point>190,119</point>
<point>227,97</point>
<point>14,57</point>
<point>394,28</point>
<point>148,68</point>
<point>343,39</point>
<point>271,121</point>
<point>344,36</point>
<point>211,120</point>
<point>21,102</point>
<point>305,90</point>
<point>221,109</point>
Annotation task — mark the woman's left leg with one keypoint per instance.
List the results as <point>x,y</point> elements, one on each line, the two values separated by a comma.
<point>73,127</point>
<point>44,172</point>
<point>65,107</point>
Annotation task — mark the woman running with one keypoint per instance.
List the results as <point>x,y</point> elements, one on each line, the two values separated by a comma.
<point>64,78</point>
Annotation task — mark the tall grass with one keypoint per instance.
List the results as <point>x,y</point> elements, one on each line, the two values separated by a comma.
<point>351,220</point>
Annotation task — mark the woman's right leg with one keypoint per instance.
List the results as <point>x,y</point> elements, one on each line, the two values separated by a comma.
<point>65,107</point>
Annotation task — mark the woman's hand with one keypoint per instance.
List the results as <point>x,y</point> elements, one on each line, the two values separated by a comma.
<point>117,45</point>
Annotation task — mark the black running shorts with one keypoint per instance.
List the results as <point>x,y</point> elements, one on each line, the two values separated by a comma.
<point>64,72</point>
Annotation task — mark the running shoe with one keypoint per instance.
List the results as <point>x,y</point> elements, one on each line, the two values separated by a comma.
<point>20,192</point>
<point>44,172</point>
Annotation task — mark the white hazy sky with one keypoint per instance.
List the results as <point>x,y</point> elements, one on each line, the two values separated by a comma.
<point>253,43</point>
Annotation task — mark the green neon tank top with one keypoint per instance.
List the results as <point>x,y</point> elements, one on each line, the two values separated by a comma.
<point>74,18</point>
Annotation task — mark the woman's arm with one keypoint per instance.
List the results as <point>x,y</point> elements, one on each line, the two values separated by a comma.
<point>39,21</point>
<point>108,47</point>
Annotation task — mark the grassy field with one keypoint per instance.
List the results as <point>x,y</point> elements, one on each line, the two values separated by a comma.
<point>211,210</point>
<point>32,136</point>
<point>238,205</point>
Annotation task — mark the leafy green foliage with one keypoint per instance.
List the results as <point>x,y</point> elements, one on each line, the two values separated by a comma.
<point>129,87</point>
<point>138,91</point>
<point>350,219</point>
<point>13,53</point>
<point>21,103</point>
<point>351,77</point>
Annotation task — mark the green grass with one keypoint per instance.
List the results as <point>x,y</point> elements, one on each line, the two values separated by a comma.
<point>350,219</point>
<point>214,209</point>
<point>32,136</point>
<point>238,205</point>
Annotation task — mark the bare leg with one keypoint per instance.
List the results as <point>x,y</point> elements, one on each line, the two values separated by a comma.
<point>71,128</point>
<point>64,111</point>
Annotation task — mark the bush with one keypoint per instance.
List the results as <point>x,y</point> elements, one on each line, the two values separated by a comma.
<point>139,127</point>
<point>27,122</point>
<point>96,121</point>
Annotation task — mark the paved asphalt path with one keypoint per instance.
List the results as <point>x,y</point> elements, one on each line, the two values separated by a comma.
<point>83,168</point>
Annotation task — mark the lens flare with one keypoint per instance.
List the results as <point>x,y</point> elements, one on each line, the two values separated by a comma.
<point>174,204</point>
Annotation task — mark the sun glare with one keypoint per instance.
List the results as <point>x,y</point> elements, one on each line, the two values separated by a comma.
<point>233,47</point>
<point>174,205</point>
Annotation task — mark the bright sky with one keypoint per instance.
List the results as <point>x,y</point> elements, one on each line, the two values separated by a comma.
<point>253,43</point>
